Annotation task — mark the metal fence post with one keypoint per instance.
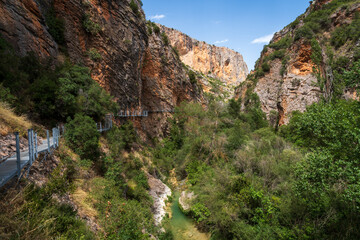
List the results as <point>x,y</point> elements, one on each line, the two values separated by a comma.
<point>53,136</point>
<point>29,143</point>
<point>58,136</point>
<point>48,140</point>
<point>36,146</point>
<point>18,160</point>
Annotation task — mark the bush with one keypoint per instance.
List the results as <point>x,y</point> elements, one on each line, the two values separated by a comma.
<point>94,54</point>
<point>90,26</point>
<point>304,32</point>
<point>56,26</point>
<point>316,55</point>
<point>283,43</point>
<point>78,93</point>
<point>156,28</point>
<point>350,32</point>
<point>192,77</point>
<point>82,136</point>
<point>134,7</point>
<point>265,67</point>
<point>121,138</point>
<point>165,38</point>
<point>352,77</point>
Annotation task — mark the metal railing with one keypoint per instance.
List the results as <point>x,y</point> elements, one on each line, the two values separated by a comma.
<point>14,164</point>
<point>128,113</point>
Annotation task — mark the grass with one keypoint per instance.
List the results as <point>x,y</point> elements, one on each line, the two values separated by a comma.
<point>10,122</point>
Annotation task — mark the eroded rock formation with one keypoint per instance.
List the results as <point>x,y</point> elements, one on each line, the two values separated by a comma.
<point>222,63</point>
<point>287,79</point>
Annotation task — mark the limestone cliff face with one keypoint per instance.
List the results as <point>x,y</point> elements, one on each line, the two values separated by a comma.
<point>223,63</point>
<point>22,23</point>
<point>135,67</point>
<point>165,84</point>
<point>287,79</point>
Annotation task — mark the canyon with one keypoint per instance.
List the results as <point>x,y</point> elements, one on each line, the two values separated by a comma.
<point>139,69</point>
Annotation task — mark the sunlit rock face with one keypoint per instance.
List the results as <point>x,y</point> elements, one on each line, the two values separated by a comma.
<point>295,85</point>
<point>222,63</point>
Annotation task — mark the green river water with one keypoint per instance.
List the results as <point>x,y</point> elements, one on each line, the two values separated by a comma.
<point>183,227</point>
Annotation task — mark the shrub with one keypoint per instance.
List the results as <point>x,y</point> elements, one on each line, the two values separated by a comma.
<point>149,25</point>
<point>339,37</point>
<point>283,43</point>
<point>134,7</point>
<point>94,54</point>
<point>259,73</point>
<point>304,32</point>
<point>345,33</point>
<point>121,138</point>
<point>192,77</point>
<point>352,77</point>
<point>316,55</point>
<point>156,28</point>
<point>278,54</point>
<point>165,38</point>
<point>82,136</point>
<point>176,51</point>
<point>90,26</point>
<point>265,67</point>
<point>56,26</point>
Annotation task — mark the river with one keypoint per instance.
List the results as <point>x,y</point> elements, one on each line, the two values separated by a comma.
<point>182,226</point>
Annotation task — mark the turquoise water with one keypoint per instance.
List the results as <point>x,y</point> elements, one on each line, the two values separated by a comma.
<point>182,226</point>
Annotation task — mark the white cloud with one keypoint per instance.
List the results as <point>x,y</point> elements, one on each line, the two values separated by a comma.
<point>222,41</point>
<point>157,17</point>
<point>264,39</point>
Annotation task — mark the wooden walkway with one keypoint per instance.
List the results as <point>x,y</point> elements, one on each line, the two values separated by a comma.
<point>9,168</point>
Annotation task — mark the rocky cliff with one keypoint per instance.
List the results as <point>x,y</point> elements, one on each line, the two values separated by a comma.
<point>111,38</point>
<point>304,62</point>
<point>218,62</point>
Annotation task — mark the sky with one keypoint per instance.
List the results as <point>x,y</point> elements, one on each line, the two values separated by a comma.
<point>242,25</point>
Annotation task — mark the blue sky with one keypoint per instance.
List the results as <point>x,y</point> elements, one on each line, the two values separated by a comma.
<point>235,24</point>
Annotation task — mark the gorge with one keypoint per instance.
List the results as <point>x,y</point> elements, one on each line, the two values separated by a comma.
<point>222,153</point>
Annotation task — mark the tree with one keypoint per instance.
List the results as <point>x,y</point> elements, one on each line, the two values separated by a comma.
<point>82,136</point>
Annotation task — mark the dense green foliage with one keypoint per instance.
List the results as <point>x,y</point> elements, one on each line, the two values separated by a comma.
<point>352,77</point>
<point>250,183</point>
<point>350,32</point>
<point>56,26</point>
<point>122,195</point>
<point>35,88</point>
<point>330,173</point>
<point>82,136</point>
<point>319,21</point>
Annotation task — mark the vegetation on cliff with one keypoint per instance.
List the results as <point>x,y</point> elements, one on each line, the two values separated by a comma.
<point>251,179</point>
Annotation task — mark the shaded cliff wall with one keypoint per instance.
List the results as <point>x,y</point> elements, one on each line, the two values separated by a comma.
<point>130,62</point>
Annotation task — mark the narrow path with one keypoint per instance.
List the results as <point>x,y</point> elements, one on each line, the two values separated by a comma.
<point>8,169</point>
